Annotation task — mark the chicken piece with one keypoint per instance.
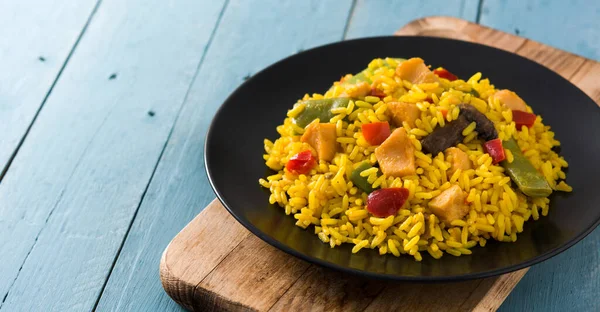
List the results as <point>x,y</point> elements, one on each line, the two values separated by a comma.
<point>415,71</point>
<point>396,155</point>
<point>402,111</point>
<point>361,89</point>
<point>321,136</point>
<point>510,100</point>
<point>458,160</point>
<point>449,205</point>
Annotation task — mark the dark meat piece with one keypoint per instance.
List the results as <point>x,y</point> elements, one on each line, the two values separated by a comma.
<point>485,127</point>
<point>443,137</point>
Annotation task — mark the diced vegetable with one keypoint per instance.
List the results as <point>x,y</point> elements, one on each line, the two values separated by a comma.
<point>443,137</point>
<point>444,73</point>
<point>375,133</point>
<point>485,127</point>
<point>523,173</point>
<point>321,136</point>
<point>415,71</point>
<point>318,109</point>
<point>358,78</point>
<point>444,112</point>
<point>358,180</point>
<point>449,205</point>
<point>386,202</point>
<point>396,155</point>
<point>378,93</point>
<point>522,118</point>
<point>474,93</point>
<point>301,163</point>
<point>510,100</point>
<point>458,160</point>
<point>358,90</point>
<point>495,149</point>
<point>402,111</point>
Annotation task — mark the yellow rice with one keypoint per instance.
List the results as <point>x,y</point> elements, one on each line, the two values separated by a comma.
<point>327,199</point>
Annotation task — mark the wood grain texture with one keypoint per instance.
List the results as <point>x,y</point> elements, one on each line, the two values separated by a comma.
<point>564,63</point>
<point>586,79</point>
<point>74,187</point>
<point>270,273</point>
<point>215,226</point>
<point>247,40</point>
<point>36,39</point>
<point>570,25</point>
<point>343,293</point>
<point>460,29</point>
<point>319,289</point>
<point>240,272</point>
<point>382,18</point>
<point>478,295</point>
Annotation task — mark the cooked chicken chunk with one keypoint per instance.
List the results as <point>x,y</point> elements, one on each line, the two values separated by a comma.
<point>402,111</point>
<point>415,71</point>
<point>396,155</point>
<point>458,160</point>
<point>449,205</point>
<point>358,90</point>
<point>321,136</point>
<point>510,100</point>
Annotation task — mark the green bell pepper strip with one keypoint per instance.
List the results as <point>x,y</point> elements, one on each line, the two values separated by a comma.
<point>362,76</point>
<point>322,108</point>
<point>359,181</point>
<point>319,109</point>
<point>521,171</point>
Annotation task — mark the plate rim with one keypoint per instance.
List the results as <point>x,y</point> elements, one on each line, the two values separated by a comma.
<point>369,274</point>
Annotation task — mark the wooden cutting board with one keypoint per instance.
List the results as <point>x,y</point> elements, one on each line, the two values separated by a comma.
<point>215,264</point>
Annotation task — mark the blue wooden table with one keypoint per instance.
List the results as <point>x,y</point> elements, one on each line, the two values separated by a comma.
<point>104,105</point>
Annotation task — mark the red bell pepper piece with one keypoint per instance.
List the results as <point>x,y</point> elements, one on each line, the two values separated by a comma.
<point>522,118</point>
<point>444,73</point>
<point>301,163</point>
<point>386,202</point>
<point>444,112</point>
<point>378,93</point>
<point>495,149</point>
<point>375,133</point>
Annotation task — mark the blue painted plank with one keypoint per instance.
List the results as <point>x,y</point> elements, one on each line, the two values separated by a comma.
<point>568,25</point>
<point>247,40</point>
<point>567,282</point>
<point>72,191</point>
<point>383,18</point>
<point>35,41</point>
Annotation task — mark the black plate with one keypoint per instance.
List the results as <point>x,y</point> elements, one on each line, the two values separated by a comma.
<point>234,149</point>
